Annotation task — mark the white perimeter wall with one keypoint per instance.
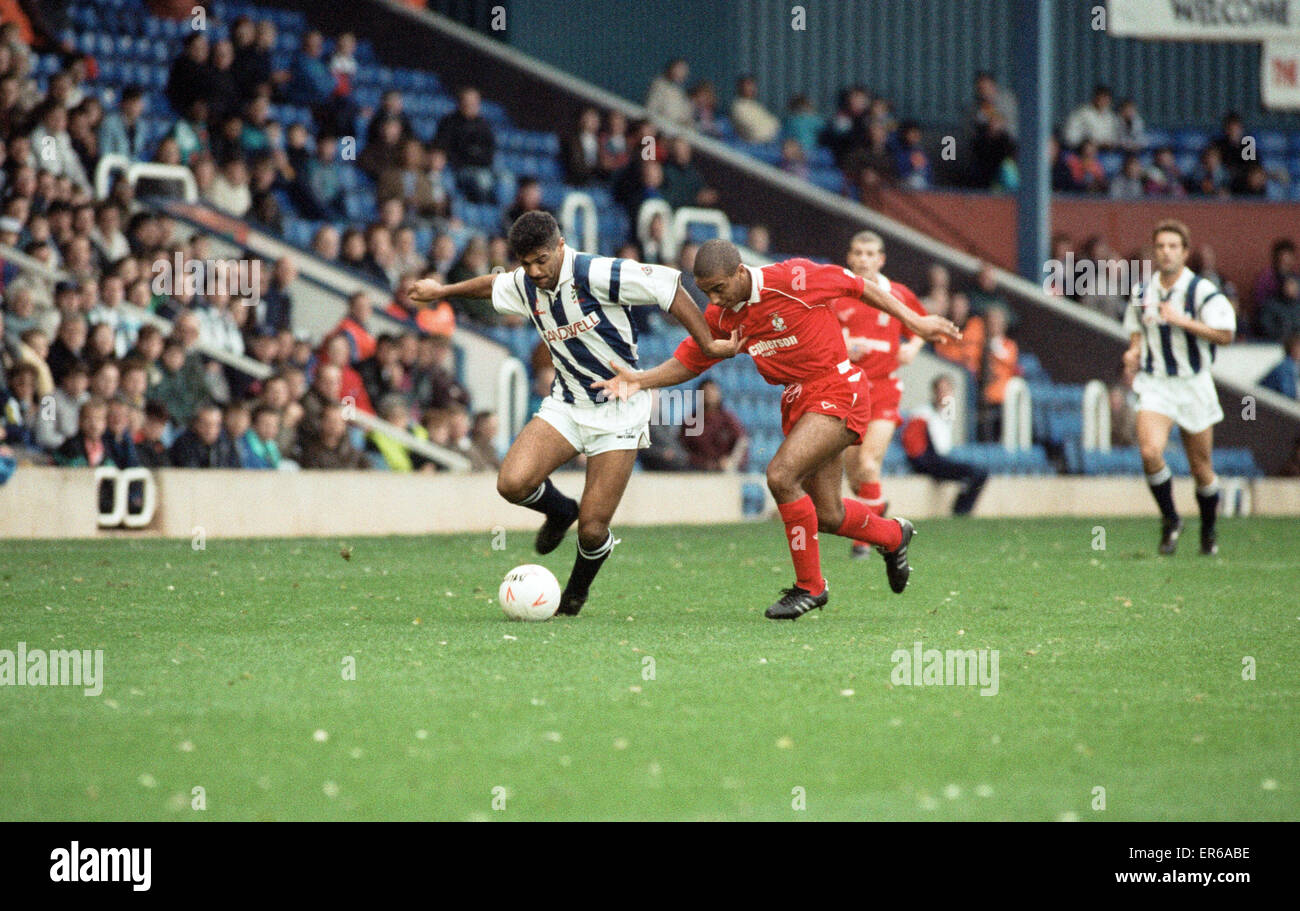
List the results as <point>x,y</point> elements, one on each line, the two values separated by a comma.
<point>60,502</point>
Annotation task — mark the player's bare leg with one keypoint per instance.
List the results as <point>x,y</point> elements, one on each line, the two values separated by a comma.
<point>607,477</point>
<point>1200,457</point>
<point>851,518</point>
<point>863,466</point>
<point>525,479</point>
<point>1153,436</point>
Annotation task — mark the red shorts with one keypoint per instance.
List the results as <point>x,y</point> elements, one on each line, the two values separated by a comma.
<point>840,395</point>
<point>886,396</point>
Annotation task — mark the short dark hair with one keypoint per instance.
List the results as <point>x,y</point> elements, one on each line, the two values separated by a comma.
<point>533,231</point>
<point>1173,226</point>
<point>716,257</point>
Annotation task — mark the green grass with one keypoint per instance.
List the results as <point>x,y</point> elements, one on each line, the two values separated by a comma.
<point>1118,669</point>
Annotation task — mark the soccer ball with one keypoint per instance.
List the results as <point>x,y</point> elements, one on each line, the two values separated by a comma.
<point>529,592</point>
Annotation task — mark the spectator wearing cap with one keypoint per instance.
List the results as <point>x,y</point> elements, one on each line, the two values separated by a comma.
<point>205,444</point>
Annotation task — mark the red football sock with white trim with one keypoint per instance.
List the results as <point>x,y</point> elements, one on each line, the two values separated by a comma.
<point>800,518</point>
<point>864,526</point>
<point>871,495</point>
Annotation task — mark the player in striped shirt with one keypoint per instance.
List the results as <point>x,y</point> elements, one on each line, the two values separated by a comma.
<point>1175,323</point>
<point>783,315</point>
<point>579,305</point>
<point>875,343</point>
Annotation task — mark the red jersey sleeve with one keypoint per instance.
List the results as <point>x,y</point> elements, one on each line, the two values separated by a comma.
<point>813,283</point>
<point>689,351</point>
<point>909,299</point>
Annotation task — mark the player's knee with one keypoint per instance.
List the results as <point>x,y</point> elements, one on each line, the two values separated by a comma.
<point>513,487</point>
<point>592,532</point>
<point>780,479</point>
<point>1152,455</point>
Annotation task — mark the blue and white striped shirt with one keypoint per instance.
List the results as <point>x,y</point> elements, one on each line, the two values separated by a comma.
<point>1168,350</point>
<point>585,321</point>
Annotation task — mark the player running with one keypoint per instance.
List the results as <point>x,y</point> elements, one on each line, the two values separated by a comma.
<point>1174,325</point>
<point>874,340</point>
<point>782,312</point>
<point>579,304</point>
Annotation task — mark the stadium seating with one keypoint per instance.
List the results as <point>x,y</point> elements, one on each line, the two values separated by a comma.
<point>132,46</point>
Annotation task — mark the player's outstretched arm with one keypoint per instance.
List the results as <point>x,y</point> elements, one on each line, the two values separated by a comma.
<point>625,383</point>
<point>427,290</point>
<point>932,328</point>
<point>689,315</point>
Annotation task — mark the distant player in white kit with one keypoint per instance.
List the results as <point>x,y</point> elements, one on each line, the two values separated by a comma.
<point>578,303</point>
<point>1175,324</point>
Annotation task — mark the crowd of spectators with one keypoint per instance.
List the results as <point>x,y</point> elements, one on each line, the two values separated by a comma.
<point>88,377</point>
<point>874,146</point>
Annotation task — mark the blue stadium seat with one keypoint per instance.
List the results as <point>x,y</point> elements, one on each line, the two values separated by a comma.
<point>1190,140</point>
<point>1273,142</point>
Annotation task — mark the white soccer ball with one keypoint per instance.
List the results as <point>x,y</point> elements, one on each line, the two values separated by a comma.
<point>529,592</point>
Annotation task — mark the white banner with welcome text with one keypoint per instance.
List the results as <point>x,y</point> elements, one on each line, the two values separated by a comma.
<point>1205,20</point>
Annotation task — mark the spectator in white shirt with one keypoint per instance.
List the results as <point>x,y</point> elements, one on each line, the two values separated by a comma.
<point>126,328</point>
<point>1095,121</point>
<point>753,122</point>
<point>52,146</point>
<point>667,97</point>
<point>230,191</point>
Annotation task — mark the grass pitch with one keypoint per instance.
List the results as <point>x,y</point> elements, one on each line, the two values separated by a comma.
<point>670,697</point>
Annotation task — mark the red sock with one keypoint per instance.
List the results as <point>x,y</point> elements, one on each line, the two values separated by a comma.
<point>800,519</point>
<point>871,493</point>
<point>864,526</point>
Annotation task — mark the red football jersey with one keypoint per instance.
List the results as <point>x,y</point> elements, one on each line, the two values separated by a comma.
<point>793,334</point>
<point>875,329</point>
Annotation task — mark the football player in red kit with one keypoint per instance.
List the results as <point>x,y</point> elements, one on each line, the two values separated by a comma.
<point>782,316</point>
<point>875,343</point>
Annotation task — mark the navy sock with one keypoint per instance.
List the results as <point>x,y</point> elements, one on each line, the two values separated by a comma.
<point>587,565</point>
<point>1207,498</point>
<point>548,500</point>
<point>1162,488</point>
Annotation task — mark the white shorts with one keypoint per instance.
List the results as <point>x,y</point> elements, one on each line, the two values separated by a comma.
<point>1191,401</point>
<point>593,429</point>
